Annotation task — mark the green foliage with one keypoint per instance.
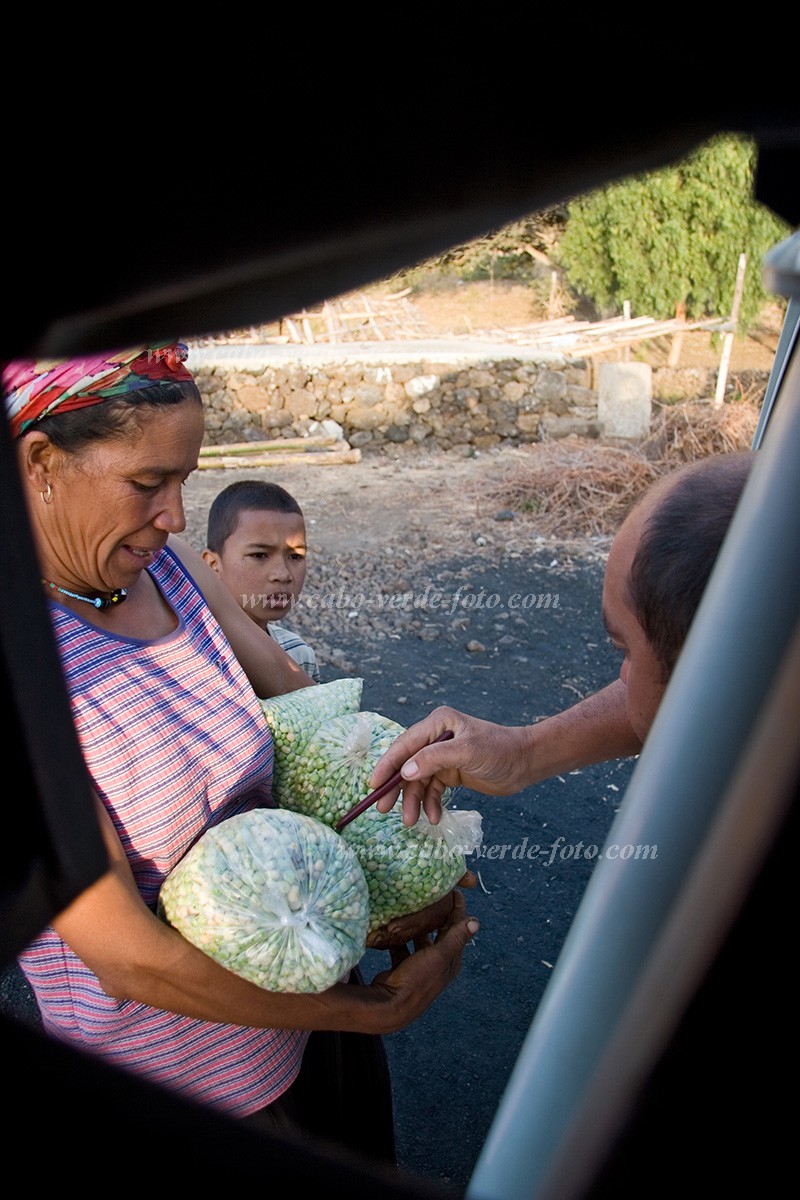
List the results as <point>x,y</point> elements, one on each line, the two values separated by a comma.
<point>673,237</point>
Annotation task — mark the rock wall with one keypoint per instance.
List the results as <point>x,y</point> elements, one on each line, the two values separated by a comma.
<point>443,402</point>
<point>397,395</point>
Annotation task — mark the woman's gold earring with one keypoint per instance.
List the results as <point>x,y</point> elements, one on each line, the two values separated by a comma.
<point>46,495</point>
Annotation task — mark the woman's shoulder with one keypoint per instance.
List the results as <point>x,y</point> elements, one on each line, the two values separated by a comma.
<point>179,557</point>
<point>167,564</point>
<point>171,576</point>
<point>178,564</point>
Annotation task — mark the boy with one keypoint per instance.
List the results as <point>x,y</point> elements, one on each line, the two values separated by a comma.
<point>256,542</point>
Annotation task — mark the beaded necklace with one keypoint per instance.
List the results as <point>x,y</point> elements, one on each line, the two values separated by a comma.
<point>116,597</point>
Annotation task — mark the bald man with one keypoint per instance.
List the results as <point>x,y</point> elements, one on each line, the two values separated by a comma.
<point>657,570</point>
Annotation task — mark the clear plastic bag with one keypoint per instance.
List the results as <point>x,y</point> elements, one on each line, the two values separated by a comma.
<point>275,896</point>
<point>408,867</point>
<point>294,718</point>
<point>337,763</point>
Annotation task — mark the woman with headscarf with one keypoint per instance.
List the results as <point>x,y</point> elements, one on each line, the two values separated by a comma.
<point>163,670</point>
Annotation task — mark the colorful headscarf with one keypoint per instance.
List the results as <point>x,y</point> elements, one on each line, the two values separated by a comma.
<point>34,390</point>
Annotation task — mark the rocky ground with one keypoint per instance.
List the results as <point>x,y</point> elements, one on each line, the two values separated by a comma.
<point>390,543</point>
<point>386,527</point>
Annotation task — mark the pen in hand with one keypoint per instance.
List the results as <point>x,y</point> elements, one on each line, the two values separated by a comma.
<point>373,797</point>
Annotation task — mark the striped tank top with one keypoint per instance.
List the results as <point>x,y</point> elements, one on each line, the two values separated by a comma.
<point>175,741</point>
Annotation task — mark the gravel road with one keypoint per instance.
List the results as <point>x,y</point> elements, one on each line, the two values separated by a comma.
<point>515,635</point>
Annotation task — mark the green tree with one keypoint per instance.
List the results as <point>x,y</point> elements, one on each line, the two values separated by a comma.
<point>669,241</point>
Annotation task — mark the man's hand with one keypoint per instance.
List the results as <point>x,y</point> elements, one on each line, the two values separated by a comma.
<point>499,760</point>
<point>481,756</point>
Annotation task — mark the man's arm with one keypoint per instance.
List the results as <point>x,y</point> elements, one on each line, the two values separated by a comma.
<point>500,760</point>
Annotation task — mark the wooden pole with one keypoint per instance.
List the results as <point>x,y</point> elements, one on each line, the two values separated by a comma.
<point>317,458</point>
<point>279,445</point>
<point>677,341</point>
<point>722,374</point>
<point>551,304</point>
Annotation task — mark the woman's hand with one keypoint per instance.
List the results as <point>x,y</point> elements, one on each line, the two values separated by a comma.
<point>418,976</point>
<point>412,927</point>
<point>138,957</point>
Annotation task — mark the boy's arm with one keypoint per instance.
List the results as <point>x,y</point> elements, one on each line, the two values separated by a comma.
<point>296,648</point>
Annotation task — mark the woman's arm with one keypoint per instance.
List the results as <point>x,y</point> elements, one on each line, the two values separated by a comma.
<point>269,668</point>
<point>136,956</point>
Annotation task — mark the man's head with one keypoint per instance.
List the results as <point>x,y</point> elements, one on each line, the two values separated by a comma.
<point>256,541</point>
<point>658,568</point>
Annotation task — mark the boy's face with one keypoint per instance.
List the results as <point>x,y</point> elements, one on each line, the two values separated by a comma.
<point>263,563</point>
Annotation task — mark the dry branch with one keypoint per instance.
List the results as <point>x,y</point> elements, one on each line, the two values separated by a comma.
<point>583,488</point>
<point>691,431</point>
<point>571,488</point>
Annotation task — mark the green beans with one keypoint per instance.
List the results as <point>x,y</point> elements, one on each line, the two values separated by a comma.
<point>409,866</point>
<point>294,718</point>
<point>337,763</point>
<point>275,896</point>
<point>325,751</point>
<point>406,867</point>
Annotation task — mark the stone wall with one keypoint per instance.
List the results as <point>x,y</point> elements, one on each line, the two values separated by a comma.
<point>425,400</point>
<point>441,397</point>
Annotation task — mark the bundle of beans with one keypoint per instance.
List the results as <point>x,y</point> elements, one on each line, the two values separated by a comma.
<point>276,897</point>
<point>293,719</point>
<point>407,867</point>
<point>337,763</point>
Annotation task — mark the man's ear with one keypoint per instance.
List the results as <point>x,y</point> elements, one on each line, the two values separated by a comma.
<point>212,559</point>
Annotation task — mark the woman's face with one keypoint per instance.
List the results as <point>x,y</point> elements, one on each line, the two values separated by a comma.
<point>114,505</point>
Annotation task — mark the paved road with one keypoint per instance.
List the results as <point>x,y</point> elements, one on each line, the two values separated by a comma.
<point>451,1067</point>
